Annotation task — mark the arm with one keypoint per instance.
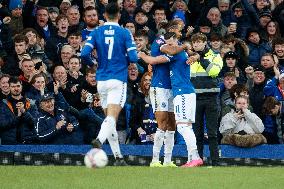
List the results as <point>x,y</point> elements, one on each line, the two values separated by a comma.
<point>131,47</point>
<point>212,64</point>
<point>44,130</point>
<point>270,87</point>
<point>254,121</point>
<point>153,60</point>
<point>228,123</point>
<point>250,11</point>
<point>87,49</point>
<point>172,49</point>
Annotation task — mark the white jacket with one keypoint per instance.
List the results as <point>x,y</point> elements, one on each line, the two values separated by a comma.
<point>250,123</point>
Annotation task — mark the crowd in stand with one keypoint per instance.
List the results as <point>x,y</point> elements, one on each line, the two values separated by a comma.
<point>49,96</point>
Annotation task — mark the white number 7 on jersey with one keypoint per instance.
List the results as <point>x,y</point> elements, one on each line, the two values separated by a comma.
<point>109,41</point>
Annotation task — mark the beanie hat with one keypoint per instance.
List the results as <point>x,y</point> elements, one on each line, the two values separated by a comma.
<point>265,12</point>
<point>179,14</point>
<point>231,54</point>
<point>250,30</point>
<point>205,22</point>
<point>237,5</point>
<point>15,4</point>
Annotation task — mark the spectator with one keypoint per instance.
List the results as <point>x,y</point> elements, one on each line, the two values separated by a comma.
<point>226,101</point>
<point>278,49</point>
<point>73,15</point>
<point>264,17</point>
<point>38,87</point>
<point>43,26</point>
<point>56,126</point>
<point>16,23</point>
<point>279,16</point>
<point>16,125</point>
<point>66,53</point>
<point>241,127</point>
<point>131,26</point>
<point>274,86</point>
<point>54,44</point>
<point>11,65</point>
<point>205,26</point>
<point>4,86</point>
<point>226,13</point>
<point>224,49</point>
<point>215,43</point>
<point>268,62</point>
<point>89,3</point>
<point>53,13</point>
<point>141,40</point>
<point>28,71</point>
<point>127,13</point>
<point>159,18</point>
<point>257,47</point>
<point>75,40</point>
<point>203,77</point>
<point>90,118</point>
<point>256,83</point>
<point>34,47</point>
<point>271,114</point>
<point>63,7</point>
<point>180,10</point>
<point>272,31</point>
<point>218,27</point>
<point>147,6</point>
<point>91,20</point>
<point>89,86</point>
<point>231,65</point>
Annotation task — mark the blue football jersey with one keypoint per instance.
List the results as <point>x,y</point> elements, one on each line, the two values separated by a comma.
<point>85,33</point>
<point>115,48</point>
<point>180,74</point>
<point>161,72</point>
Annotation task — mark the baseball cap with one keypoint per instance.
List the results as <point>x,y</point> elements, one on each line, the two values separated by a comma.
<point>47,96</point>
<point>53,9</point>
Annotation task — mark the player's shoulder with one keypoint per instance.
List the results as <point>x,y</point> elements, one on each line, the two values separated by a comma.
<point>159,40</point>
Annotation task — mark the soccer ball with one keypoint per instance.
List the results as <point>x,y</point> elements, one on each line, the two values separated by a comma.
<point>96,158</point>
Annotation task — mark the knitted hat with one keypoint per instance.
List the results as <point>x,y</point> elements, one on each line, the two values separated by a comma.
<point>231,54</point>
<point>15,4</point>
<point>53,9</point>
<point>179,14</point>
<point>265,12</point>
<point>237,5</point>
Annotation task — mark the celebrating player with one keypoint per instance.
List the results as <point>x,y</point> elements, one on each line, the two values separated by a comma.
<point>112,43</point>
<point>184,96</point>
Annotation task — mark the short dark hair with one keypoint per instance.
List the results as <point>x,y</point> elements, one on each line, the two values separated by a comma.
<point>112,10</point>
<point>89,8</point>
<point>5,75</point>
<point>141,33</point>
<point>91,71</point>
<point>61,17</point>
<point>169,35</point>
<point>21,38</point>
<point>277,41</point>
<point>41,8</point>
<point>75,33</point>
<point>14,80</point>
<point>237,88</point>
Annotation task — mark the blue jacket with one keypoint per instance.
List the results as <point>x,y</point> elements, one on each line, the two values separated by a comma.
<point>256,52</point>
<point>48,134</point>
<point>271,89</point>
<point>14,129</point>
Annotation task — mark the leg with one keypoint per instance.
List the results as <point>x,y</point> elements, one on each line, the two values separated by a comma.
<point>169,139</point>
<point>199,127</point>
<point>211,113</point>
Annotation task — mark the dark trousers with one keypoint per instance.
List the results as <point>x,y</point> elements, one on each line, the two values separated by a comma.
<point>207,109</point>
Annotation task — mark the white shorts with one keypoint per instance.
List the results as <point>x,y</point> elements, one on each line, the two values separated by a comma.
<point>161,99</point>
<point>185,107</point>
<point>112,91</point>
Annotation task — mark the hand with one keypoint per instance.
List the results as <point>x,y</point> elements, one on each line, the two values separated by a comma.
<point>239,114</point>
<point>146,28</point>
<point>140,131</point>
<point>101,22</point>
<point>189,31</point>
<point>60,124</point>
<point>7,20</point>
<point>152,136</point>
<point>276,71</point>
<point>74,74</point>
<point>232,28</point>
<point>74,88</point>
<point>56,86</point>
<point>70,127</point>
<point>84,94</point>
<point>63,82</point>
<point>249,71</point>
<point>21,108</point>
<point>237,72</point>
<point>141,54</point>
<point>193,59</point>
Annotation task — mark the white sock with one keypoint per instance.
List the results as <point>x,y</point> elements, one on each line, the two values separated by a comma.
<point>106,129</point>
<point>158,142</point>
<point>114,144</point>
<point>190,140</point>
<point>169,145</point>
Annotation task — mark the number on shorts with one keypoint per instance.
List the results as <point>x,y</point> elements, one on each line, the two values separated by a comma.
<point>109,41</point>
<point>177,109</point>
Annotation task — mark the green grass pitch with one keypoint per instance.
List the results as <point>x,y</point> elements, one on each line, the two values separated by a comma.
<point>135,177</point>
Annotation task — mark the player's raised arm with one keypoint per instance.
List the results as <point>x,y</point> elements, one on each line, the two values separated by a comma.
<point>131,47</point>
<point>87,50</point>
<point>173,49</point>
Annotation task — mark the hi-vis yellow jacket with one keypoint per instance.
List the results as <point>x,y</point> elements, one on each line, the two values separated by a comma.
<point>204,72</point>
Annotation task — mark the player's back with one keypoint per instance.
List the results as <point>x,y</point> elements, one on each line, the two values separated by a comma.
<point>112,43</point>
<point>180,74</point>
<point>161,72</point>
